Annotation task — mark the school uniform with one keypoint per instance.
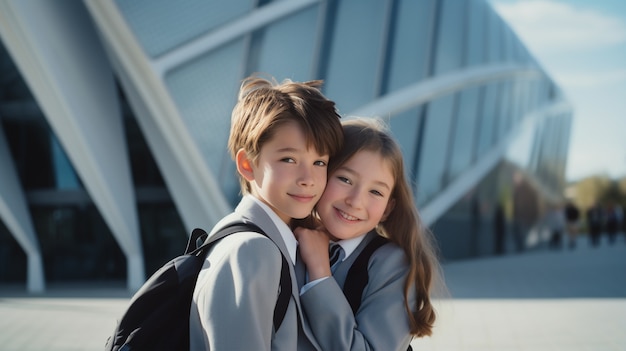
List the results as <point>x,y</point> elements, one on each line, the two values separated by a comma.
<point>381,323</point>
<point>237,288</point>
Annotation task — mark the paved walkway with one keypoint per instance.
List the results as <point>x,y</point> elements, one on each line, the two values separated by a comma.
<point>549,300</point>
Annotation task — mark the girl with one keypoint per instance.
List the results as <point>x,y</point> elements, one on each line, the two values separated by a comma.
<point>367,195</point>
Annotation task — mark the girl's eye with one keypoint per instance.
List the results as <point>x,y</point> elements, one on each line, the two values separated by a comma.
<point>344,180</point>
<point>376,192</point>
<point>320,163</point>
<point>288,160</point>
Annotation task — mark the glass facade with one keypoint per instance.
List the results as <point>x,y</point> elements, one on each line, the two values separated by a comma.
<point>297,33</point>
<point>436,139</point>
<point>356,51</point>
<point>464,134</point>
<point>476,143</point>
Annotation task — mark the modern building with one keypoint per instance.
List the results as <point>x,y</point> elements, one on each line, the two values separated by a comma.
<point>115,116</point>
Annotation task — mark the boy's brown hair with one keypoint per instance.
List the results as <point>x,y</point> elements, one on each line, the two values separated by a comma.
<point>265,105</point>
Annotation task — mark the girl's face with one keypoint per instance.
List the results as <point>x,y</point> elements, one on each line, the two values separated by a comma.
<point>357,196</point>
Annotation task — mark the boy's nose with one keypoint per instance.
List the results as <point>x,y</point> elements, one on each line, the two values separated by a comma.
<point>306,177</point>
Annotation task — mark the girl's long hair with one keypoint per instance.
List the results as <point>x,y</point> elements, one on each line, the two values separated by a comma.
<point>403,225</point>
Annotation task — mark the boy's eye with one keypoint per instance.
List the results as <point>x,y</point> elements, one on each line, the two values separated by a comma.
<point>320,163</point>
<point>288,160</point>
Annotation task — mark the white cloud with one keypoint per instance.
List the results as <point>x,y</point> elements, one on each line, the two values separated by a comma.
<point>546,25</point>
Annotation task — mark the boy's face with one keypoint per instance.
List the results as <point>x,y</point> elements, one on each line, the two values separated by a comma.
<point>288,176</point>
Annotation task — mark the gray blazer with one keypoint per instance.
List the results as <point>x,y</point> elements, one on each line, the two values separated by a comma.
<point>236,292</point>
<point>381,323</point>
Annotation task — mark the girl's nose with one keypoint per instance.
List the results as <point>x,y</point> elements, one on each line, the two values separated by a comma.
<point>354,199</point>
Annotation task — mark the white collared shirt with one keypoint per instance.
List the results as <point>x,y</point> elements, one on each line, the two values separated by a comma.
<point>349,245</point>
<point>290,240</point>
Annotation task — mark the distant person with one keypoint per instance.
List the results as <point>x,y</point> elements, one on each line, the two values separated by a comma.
<point>499,228</point>
<point>281,138</point>
<point>619,218</point>
<point>475,225</point>
<point>613,219</point>
<point>555,221</point>
<point>525,212</point>
<point>367,199</point>
<point>594,223</point>
<point>572,217</point>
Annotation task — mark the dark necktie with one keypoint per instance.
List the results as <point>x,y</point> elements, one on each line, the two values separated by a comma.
<point>336,254</point>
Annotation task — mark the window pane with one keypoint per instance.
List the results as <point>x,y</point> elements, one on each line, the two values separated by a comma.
<point>287,46</point>
<point>475,45</point>
<point>449,54</point>
<point>433,153</point>
<point>161,25</point>
<point>65,176</point>
<point>487,118</point>
<point>520,149</point>
<point>518,103</point>
<point>144,169</point>
<point>355,53</point>
<point>465,131</point>
<point>29,142</point>
<point>205,92</point>
<point>405,128</point>
<point>76,244</point>
<point>162,234</point>
<point>506,109</point>
<point>411,43</point>
<point>13,262</point>
<point>494,32</point>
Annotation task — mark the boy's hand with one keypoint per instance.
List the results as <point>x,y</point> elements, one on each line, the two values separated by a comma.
<point>313,245</point>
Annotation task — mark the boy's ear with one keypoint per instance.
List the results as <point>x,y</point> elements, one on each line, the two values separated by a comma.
<point>390,206</point>
<point>244,165</point>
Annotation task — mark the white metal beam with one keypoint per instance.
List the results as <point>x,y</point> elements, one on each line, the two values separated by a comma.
<point>192,184</point>
<point>14,213</point>
<point>59,54</point>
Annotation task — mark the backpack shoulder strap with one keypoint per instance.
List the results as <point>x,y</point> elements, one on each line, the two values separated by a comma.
<point>200,241</point>
<point>357,277</point>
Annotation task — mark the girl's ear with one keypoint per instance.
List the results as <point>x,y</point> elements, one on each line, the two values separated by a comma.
<point>244,165</point>
<point>390,206</point>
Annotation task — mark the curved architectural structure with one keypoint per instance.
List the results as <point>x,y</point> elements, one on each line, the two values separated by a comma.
<point>115,118</point>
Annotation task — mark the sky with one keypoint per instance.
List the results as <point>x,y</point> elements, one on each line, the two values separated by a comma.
<point>581,44</point>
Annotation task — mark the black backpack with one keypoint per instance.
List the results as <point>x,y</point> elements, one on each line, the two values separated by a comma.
<point>358,277</point>
<point>158,315</point>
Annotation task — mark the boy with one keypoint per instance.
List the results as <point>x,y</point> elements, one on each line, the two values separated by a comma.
<point>281,138</point>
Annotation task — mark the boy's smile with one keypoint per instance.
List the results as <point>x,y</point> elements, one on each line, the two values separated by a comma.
<point>289,176</point>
